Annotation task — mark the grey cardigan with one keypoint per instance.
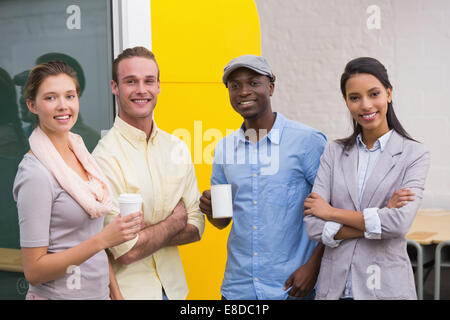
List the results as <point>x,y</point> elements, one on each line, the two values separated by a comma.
<point>381,268</point>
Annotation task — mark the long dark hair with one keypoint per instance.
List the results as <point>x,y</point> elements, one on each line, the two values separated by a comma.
<point>374,67</point>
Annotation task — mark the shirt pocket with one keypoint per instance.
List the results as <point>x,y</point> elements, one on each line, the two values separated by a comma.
<point>175,179</point>
<point>173,190</point>
<point>284,194</point>
<point>276,194</point>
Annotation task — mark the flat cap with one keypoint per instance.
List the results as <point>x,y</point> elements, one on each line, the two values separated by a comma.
<point>255,63</point>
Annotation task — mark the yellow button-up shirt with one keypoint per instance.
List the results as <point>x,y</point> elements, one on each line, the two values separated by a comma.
<point>161,170</point>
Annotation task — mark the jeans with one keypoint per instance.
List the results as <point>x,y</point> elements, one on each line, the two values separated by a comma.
<point>164,297</point>
<point>309,296</point>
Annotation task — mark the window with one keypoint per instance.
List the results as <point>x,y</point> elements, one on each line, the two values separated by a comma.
<point>77,32</point>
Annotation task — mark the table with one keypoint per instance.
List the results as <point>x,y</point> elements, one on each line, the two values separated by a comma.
<point>430,228</point>
<point>10,260</point>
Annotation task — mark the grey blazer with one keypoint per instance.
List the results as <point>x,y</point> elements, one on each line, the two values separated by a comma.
<point>381,268</point>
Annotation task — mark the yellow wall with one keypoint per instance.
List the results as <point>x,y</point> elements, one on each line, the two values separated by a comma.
<point>193,40</point>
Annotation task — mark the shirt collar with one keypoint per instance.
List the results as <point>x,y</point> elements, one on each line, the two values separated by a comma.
<point>134,135</point>
<point>274,134</point>
<point>380,143</point>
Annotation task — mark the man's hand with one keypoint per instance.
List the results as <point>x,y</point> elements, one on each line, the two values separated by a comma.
<point>205,203</point>
<point>400,198</point>
<point>302,280</point>
<point>179,216</point>
<point>206,207</point>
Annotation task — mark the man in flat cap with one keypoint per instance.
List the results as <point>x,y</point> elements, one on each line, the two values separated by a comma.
<point>271,163</point>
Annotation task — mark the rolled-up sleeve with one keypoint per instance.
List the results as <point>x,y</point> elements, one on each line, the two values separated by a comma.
<point>124,247</point>
<point>330,229</point>
<point>372,224</point>
<point>191,198</point>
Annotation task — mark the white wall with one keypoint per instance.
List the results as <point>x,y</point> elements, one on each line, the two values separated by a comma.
<point>131,24</point>
<point>308,43</point>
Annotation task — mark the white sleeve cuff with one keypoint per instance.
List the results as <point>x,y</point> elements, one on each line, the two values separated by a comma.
<point>330,229</point>
<point>372,223</point>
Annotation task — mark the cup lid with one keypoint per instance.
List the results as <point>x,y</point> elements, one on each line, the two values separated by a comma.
<point>130,198</point>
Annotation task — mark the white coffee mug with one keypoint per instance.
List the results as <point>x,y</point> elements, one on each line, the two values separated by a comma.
<point>221,201</point>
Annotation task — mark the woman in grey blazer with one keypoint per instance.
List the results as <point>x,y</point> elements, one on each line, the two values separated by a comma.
<point>350,209</point>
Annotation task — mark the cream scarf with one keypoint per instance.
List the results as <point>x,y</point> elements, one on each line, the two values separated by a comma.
<point>93,196</point>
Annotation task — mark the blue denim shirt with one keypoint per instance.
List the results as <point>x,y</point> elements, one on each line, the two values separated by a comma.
<point>270,181</point>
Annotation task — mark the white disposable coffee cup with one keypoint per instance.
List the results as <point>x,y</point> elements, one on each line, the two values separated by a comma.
<point>130,203</point>
<point>221,201</point>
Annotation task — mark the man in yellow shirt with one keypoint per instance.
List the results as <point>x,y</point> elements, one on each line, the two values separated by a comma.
<point>138,157</point>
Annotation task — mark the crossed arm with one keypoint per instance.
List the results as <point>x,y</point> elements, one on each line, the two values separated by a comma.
<point>172,231</point>
<point>353,224</point>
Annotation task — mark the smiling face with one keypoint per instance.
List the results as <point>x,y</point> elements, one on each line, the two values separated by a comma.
<point>250,93</point>
<point>367,100</point>
<point>56,104</point>
<point>137,89</point>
